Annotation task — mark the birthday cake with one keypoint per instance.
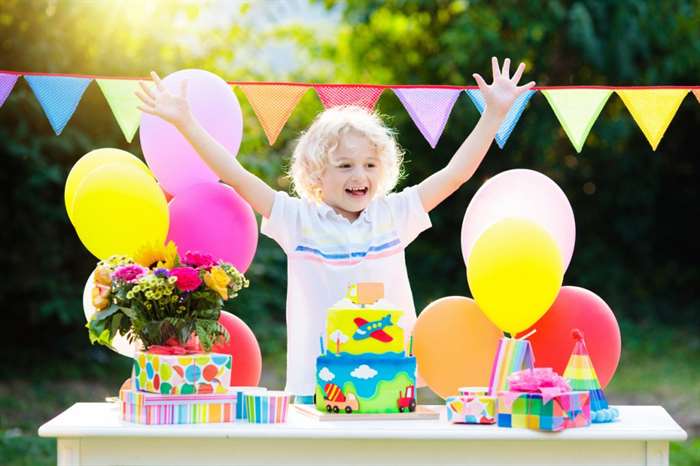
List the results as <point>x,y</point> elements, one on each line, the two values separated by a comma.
<point>364,367</point>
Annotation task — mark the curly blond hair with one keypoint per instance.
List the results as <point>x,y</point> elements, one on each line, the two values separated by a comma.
<point>316,145</point>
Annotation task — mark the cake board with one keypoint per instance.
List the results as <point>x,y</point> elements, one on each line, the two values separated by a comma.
<point>421,413</point>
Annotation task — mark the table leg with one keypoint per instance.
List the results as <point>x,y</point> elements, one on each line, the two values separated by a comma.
<point>68,452</point>
<point>657,454</point>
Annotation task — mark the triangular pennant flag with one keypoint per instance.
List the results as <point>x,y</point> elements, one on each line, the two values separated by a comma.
<point>273,104</point>
<point>123,102</point>
<point>429,108</point>
<point>59,96</point>
<point>582,377</point>
<point>512,116</point>
<point>653,109</point>
<point>697,94</point>
<point>577,110</point>
<point>363,96</point>
<point>7,82</point>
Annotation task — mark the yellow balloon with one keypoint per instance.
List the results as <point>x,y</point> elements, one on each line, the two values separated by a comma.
<point>117,209</point>
<point>89,162</point>
<point>515,273</point>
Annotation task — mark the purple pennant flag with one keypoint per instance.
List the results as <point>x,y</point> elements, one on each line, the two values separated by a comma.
<point>429,108</point>
<point>7,82</point>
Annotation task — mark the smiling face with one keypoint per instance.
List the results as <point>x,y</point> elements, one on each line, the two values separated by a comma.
<point>351,176</point>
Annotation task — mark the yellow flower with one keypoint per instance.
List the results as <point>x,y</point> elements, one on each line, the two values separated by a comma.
<point>150,255</point>
<point>218,280</point>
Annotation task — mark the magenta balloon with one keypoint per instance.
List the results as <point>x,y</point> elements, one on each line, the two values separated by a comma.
<point>212,218</point>
<point>172,159</point>
<point>524,194</point>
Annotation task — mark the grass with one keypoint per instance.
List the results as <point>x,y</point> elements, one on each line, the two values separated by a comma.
<point>660,370</point>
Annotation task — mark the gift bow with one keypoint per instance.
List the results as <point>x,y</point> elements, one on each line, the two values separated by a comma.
<point>541,380</point>
<point>173,347</point>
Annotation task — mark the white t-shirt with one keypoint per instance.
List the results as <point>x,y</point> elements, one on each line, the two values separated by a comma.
<point>326,253</point>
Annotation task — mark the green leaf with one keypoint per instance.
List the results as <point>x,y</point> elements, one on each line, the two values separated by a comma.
<point>103,314</point>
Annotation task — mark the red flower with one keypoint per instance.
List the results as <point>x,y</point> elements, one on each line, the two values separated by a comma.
<point>187,278</point>
<point>198,259</point>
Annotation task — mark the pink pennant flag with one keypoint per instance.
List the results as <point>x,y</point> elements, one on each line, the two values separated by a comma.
<point>7,82</point>
<point>362,96</point>
<point>429,108</point>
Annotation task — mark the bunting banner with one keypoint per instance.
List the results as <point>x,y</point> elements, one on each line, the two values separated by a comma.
<point>120,96</point>
<point>363,96</point>
<point>429,108</point>
<point>511,118</point>
<point>273,104</point>
<point>58,96</point>
<point>696,92</point>
<point>577,110</point>
<point>7,83</point>
<point>652,109</point>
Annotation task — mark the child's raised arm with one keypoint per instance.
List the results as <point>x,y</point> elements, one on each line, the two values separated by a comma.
<point>175,110</point>
<point>499,97</point>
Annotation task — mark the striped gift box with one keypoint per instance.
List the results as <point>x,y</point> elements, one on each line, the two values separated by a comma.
<point>267,408</point>
<point>241,411</point>
<point>152,408</point>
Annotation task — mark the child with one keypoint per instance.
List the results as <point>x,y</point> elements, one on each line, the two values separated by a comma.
<point>346,226</point>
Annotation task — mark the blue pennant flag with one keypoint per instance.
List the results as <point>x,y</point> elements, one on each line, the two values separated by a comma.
<point>511,118</point>
<point>59,96</point>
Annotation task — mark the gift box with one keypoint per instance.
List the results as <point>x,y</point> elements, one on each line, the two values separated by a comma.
<point>266,407</point>
<point>241,411</point>
<point>153,408</point>
<point>199,373</point>
<point>511,355</point>
<point>472,406</point>
<point>541,399</point>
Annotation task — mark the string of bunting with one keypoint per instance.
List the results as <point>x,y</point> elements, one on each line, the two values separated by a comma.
<point>429,106</point>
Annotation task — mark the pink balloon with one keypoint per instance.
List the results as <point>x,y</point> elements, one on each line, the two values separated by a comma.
<point>172,159</point>
<point>212,218</point>
<point>524,194</point>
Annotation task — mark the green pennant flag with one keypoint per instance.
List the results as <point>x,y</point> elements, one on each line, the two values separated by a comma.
<point>577,110</point>
<point>123,102</point>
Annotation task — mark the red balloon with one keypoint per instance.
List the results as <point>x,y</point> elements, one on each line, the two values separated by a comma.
<point>243,347</point>
<point>578,308</point>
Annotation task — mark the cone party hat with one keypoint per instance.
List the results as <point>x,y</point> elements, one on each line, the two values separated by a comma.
<point>581,375</point>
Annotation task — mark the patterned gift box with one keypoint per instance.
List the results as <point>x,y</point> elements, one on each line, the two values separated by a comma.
<point>266,407</point>
<point>534,411</point>
<point>202,373</point>
<point>471,409</point>
<point>152,408</point>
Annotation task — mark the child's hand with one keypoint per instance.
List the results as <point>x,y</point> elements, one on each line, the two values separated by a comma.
<point>160,102</point>
<point>500,95</point>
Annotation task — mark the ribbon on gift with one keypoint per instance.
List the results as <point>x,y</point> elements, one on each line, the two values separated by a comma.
<point>541,380</point>
<point>173,347</point>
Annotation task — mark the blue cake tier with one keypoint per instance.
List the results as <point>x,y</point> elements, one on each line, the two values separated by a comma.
<point>367,383</point>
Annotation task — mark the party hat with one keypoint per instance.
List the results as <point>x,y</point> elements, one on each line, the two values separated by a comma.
<point>581,375</point>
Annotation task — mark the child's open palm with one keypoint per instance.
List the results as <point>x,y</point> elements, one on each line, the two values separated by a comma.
<point>160,102</point>
<point>500,95</point>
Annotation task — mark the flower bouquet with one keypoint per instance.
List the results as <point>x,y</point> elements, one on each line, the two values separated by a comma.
<point>162,299</point>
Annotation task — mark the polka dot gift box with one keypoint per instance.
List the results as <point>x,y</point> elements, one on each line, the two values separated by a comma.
<point>202,373</point>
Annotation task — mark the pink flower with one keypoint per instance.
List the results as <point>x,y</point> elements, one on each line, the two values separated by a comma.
<point>187,278</point>
<point>198,259</point>
<point>129,273</point>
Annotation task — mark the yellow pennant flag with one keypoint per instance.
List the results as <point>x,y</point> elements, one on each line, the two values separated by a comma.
<point>697,94</point>
<point>652,109</point>
<point>273,104</point>
<point>577,110</point>
<point>123,102</point>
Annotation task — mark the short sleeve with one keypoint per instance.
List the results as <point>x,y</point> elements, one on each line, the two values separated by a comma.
<point>283,223</point>
<point>410,218</point>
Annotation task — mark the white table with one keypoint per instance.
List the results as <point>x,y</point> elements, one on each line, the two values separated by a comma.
<point>92,434</point>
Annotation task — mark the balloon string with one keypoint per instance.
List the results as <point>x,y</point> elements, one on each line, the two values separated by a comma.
<point>527,335</point>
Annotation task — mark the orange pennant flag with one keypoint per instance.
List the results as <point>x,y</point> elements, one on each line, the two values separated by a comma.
<point>697,94</point>
<point>273,104</point>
